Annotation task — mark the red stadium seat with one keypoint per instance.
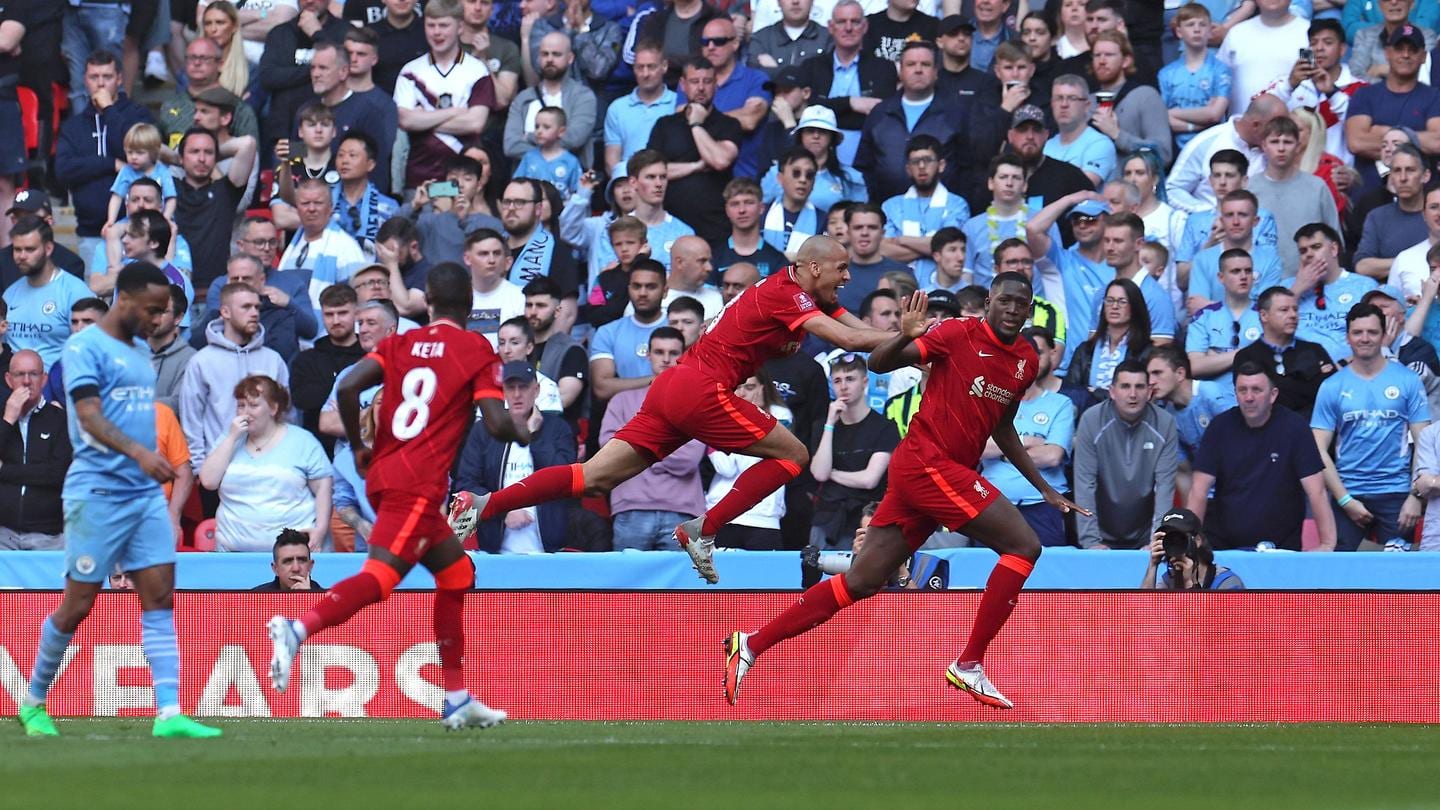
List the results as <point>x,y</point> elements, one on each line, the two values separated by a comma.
<point>204,536</point>
<point>29,117</point>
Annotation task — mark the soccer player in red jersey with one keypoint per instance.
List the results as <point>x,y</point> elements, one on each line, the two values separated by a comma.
<point>433,377</point>
<point>979,370</point>
<point>696,400</point>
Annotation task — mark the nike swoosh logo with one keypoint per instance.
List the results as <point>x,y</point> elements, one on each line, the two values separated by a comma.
<point>986,354</point>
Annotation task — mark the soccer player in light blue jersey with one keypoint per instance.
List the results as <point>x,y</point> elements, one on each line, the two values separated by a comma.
<point>114,510</point>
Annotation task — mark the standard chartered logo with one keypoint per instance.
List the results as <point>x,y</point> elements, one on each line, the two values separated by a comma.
<point>977,388</point>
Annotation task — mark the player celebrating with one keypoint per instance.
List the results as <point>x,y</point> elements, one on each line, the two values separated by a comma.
<point>431,377</point>
<point>696,400</point>
<point>114,508</point>
<point>979,372</point>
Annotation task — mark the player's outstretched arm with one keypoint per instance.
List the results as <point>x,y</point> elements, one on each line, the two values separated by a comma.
<point>497,420</point>
<point>365,374</point>
<point>854,338</point>
<point>1009,443</point>
<point>92,420</point>
<point>898,351</point>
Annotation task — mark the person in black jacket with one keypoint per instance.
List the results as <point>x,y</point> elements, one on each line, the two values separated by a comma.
<point>285,66</point>
<point>292,564</point>
<point>34,455</point>
<point>486,465</point>
<point>874,79</point>
<point>313,371</point>
<point>91,148</point>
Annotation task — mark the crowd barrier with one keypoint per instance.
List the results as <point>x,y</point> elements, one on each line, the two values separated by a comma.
<point>1064,656</point>
<point>1059,568</point>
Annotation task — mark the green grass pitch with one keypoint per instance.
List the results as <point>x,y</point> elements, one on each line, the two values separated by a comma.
<point>372,763</point>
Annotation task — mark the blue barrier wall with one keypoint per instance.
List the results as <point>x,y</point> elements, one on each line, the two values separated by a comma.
<point>1062,569</point>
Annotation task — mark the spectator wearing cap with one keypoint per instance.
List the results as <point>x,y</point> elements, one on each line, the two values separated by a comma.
<point>215,112</point>
<point>1126,452</point>
<point>956,38</point>
<point>1045,422</point>
<point>373,283</point>
<point>1401,100</point>
<point>1369,411</point>
<point>1189,558</point>
<point>788,97</point>
<point>36,202</point>
<point>648,506</point>
<point>285,311</point>
<point>292,563</point>
<point>912,218</point>
<point>1046,179</point>
<point>91,146</point>
<point>817,133</point>
<point>789,42</point>
<point>847,78</point>
<point>202,73</point>
<point>1263,468</point>
<point>1225,327</point>
<point>629,119</point>
<point>487,465</point>
<point>1367,59</point>
<point>34,455</point>
<point>1077,143</point>
<point>1415,353</point>
<point>915,110</point>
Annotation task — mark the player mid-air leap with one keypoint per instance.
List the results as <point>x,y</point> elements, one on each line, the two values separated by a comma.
<point>979,370</point>
<point>696,400</point>
<point>433,377</point>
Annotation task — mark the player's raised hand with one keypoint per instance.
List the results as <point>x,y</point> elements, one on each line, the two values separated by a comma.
<point>1064,504</point>
<point>915,314</point>
<point>156,466</point>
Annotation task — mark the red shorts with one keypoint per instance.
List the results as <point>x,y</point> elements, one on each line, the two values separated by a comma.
<point>407,525</point>
<point>923,495</point>
<point>684,404</point>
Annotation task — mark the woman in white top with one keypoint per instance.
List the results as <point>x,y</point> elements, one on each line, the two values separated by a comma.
<point>270,476</point>
<point>220,22</point>
<point>759,528</point>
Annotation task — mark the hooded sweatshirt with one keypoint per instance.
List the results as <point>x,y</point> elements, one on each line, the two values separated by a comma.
<point>207,393</point>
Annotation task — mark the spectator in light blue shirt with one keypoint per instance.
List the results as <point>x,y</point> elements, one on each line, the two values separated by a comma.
<point>550,160</point>
<point>1367,409</point>
<point>1192,402</point>
<point>619,352</point>
<point>1225,327</point>
<point>1239,216</point>
<point>1195,87</point>
<point>1327,291</point>
<point>39,302</point>
<point>1078,143</point>
<point>912,218</point>
<point>630,118</point>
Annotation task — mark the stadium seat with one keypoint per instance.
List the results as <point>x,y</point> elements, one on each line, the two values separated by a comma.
<point>29,117</point>
<point>204,536</point>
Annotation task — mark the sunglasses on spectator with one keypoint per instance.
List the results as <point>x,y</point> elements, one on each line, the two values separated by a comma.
<point>718,42</point>
<point>1235,334</point>
<point>1279,364</point>
<point>848,357</point>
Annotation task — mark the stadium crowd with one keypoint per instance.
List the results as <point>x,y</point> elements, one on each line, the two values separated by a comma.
<point>1226,209</point>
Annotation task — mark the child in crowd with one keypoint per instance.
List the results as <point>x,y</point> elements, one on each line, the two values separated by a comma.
<point>947,249</point>
<point>610,295</point>
<point>444,219</point>
<point>317,137</point>
<point>835,223</point>
<point>1195,87</point>
<point>142,159</point>
<point>550,160</point>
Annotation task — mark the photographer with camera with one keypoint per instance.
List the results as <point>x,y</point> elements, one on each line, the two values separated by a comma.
<point>1189,560</point>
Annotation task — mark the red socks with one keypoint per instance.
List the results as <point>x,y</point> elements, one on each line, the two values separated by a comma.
<point>450,637</point>
<point>1001,592</point>
<point>812,609</point>
<point>752,487</point>
<point>344,600</point>
<point>549,484</point>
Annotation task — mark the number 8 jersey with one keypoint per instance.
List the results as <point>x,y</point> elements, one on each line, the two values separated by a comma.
<point>433,377</point>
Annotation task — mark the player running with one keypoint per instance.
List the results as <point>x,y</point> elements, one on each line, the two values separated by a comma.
<point>431,376</point>
<point>114,508</point>
<point>979,372</point>
<point>696,400</point>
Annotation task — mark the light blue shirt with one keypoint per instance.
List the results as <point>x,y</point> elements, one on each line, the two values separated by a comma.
<point>98,262</point>
<point>913,110</point>
<point>127,177</point>
<point>1208,399</point>
<point>1214,328</point>
<point>1327,326</point>
<point>909,214</point>
<point>1182,89</point>
<point>260,495</point>
<point>1050,416</point>
<point>1085,282</point>
<point>1104,360</point>
<point>980,243</point>
<point>1371,421</point>
<point>1197,230</point>
<point>1205,272</point>
<point>40,316</point>
<point>628,120</point>
<point>126,382</point>
<point>1091,152</point>
<point>847,78</point>
<point>830,187</point>
<point>627,342</point>
<point>563,172</point>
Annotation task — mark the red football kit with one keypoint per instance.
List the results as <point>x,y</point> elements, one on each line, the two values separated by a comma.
<point>433,377</point>
<point>974,378</point>
<point>696,399</point>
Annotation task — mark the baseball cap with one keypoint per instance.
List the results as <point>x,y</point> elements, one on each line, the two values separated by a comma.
<point>1180,520</point>
<point>219,97</point>
<point>30,201</point>
<point>1089,208</point>
<point>369,268</point>
<point>945,301</point>
<point>953,23</point>
<point>1026,114</point>
<point>517,371</point>
<point>787,76</point>
<point>1388,290</point>
<point>1406,33</point>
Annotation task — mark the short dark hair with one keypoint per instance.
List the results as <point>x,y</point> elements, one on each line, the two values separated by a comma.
<point>1317,228</point>
<point>178,302</point>
<point>289,537</point>
<point>363,36</point>
<point>480,235</point>
<point>642,160</point>
<point>1320,26</point>
<point>372,150</point>
<point>864,208</point>
<point>1231,157</point>
<point>338,295</point>
<point>558,112</point>
<point>665,333</point>
<point>398,227</point>
<point>1005,159</point>
<point>686,303</point>
<point>464,164</point>
<point>146,182</point>
<point>448,288</point>
<point>1250,368</point>
<point>1008,244</point>
<point>946,236</point>
<point>1363,310</point>
<point>156,228</point>
<point>1173,355</point>
<point>197,131</point>
<point>1233,253</point>
<point>648,265</point>
<point>1268,296</point>
<point>1130,365</point>
<point>102,56</point>
<point>1010,276</point>
<point>1281,125</point>
<point>91,304</point>
<point>542,285</point>
<point>913,44</point>
<point>924,143</point>
<point>971,296</point>
<point>26,224</point>
<point>136,276</point>
<point>796,153</point>
<point>868,303</point>
<point>696,63</point>
<point>1032,333</point>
